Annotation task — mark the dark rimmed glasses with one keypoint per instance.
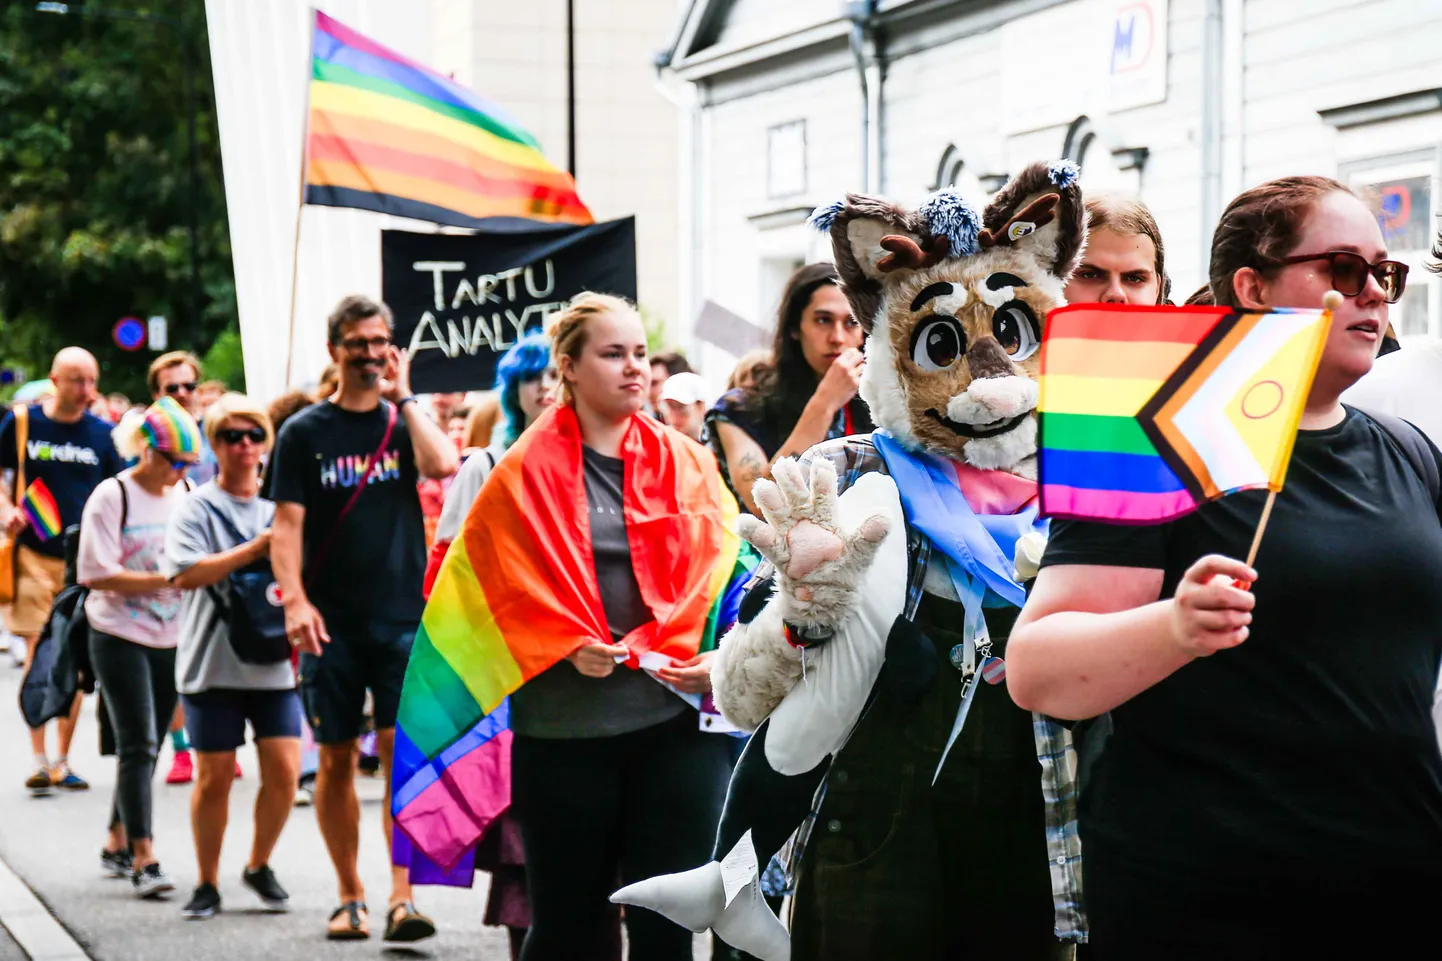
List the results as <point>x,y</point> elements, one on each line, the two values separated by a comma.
<point>234,435</point>
<point>1349,273</point>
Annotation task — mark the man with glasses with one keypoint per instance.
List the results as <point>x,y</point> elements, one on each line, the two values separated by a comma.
<point>349,554</point>
<point>67,452</point>
<point>177,375</point>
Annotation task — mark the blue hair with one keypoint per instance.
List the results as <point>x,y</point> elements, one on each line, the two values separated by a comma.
<point>525,361</point>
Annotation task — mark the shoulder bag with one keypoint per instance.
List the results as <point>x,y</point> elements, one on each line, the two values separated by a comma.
<point>9,546</point>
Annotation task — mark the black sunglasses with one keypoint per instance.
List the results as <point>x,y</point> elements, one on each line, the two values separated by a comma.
<point>173,389</point>
<point>1349,273</point>
<point>175,463</point>
<point>234,435</point>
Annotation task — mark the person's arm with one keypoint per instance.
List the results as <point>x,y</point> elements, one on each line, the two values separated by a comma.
<point>303,623</point>
<point>1092,637</point>
<point>435,455</point>
<point>745,460</point>
<point>214,568</point>
<point>835,391</point>
<point>12,518</point>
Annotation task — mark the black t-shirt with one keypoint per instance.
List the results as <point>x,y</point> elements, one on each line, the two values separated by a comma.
<point>1307,755</point>
<point>71,458</point>
<point>376,560</point>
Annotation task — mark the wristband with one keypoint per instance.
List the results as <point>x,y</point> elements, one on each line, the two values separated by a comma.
<point>803,636</point>
<point>408,399</point>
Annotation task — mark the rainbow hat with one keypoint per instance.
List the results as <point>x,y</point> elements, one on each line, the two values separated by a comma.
<point>170,428</point>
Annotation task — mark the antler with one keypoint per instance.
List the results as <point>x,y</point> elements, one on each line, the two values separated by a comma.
<point>1038,214</point>
<point>907,253</point>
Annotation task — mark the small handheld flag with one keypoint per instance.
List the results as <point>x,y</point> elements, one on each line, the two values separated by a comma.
<point>1146,413</point>
<point>40,507</point>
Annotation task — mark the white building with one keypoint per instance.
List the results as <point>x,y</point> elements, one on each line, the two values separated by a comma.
<point>790,103</point>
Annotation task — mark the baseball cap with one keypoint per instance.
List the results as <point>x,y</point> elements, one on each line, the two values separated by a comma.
<point>684,388</point>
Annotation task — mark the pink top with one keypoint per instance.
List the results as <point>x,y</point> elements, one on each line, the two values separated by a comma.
<point>105,550</point>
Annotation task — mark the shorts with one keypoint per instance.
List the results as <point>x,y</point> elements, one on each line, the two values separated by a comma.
<point>361,656</point>
<point>215,719</point>
<point>38,578</point>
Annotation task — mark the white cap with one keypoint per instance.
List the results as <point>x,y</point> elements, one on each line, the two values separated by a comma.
<point>684,388</point>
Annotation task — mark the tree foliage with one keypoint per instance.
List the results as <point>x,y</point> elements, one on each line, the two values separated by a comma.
<point>95,194</point>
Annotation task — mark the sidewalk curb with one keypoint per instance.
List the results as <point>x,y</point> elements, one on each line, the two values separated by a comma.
<point>30,923</point>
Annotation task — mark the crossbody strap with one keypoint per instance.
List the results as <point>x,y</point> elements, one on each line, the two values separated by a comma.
<point>323,551</point>
<point>22,436</point>
<point>1414,447</point>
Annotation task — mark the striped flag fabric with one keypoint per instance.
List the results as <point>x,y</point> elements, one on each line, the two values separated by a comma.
<point>385,133</point>
<point>1146,413</point>
<point>517,593</point>
<point>40,507</point>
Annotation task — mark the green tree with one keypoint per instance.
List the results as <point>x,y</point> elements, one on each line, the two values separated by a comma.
<point>94,188</point>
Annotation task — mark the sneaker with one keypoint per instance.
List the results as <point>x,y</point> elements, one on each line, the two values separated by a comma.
<point>151,882</point>
<point>16,645</point>
<point>262,881</point>
<point>116,864</point>
<point>304,796</point>
<point>182,769</point>
<point>68,780</point>
<point>203,904</point>
<point>39,783</point>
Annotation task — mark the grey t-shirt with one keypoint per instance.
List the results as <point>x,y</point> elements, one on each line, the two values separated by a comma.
<point>562,702</point>
<point>204,658</point>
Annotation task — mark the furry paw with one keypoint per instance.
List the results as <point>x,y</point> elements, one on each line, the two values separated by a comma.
<point>818,564</point>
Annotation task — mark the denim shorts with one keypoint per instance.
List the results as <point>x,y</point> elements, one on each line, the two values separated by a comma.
<point>215,719</point>
<point>361,656</point>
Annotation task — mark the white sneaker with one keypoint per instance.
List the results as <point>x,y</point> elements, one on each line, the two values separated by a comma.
<point>16,645</point>
<point>151,882</point>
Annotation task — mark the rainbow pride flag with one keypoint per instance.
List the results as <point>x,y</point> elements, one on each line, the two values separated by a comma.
<point>385,133</point>
<point>39,505</point>
<point>517,592</point>
<point>1146,413</point>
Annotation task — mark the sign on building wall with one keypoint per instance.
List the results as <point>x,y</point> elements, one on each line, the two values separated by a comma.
<point>1099,57</point>
<point>462,300</point>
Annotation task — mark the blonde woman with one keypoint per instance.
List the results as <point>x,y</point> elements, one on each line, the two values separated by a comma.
<point>225,681</point>
<point>134,615</point>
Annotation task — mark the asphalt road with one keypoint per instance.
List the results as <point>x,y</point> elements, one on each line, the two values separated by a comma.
<point>54,843</point>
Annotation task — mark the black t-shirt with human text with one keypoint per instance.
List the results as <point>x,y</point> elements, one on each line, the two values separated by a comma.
<point>375,562</point>
<point>1306,757</point>
<point>71,458</point>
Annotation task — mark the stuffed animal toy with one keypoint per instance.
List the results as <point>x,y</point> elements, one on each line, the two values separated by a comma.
<point>871,663</point>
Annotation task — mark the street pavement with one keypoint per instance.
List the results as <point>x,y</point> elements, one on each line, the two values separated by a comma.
<point>53,844</point>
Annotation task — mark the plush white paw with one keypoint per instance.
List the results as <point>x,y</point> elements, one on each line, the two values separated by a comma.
<point>694,899</point>
<point>819,561</point>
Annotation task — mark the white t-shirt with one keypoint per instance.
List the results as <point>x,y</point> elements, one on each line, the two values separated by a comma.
<point>105,550</point>
<point>465,489</point>
<point>1407,384</point>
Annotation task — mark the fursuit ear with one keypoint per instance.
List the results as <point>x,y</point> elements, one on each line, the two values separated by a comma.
<point>1040,212</point>
<point>872,239</point>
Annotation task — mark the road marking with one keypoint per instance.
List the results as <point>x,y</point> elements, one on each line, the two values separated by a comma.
<point>31,924</point>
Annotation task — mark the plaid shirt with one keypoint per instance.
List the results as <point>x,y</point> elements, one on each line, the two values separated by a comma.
<point>852,457</point>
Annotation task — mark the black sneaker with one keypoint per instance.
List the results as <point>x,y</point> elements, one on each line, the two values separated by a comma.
<point>39,783</point>
<point>262,881</point>
<point>115,864</point>
<point>151,882</point>
<point>203,905</point>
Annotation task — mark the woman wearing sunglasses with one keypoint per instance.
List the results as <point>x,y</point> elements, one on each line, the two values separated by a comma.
<point>1273,785</point>
<point>134,616</point>
<point>225,684</point>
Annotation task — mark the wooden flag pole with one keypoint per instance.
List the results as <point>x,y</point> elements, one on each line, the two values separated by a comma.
<point>1261,528</point>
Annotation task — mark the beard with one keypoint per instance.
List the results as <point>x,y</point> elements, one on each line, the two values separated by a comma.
<point>367,372</point>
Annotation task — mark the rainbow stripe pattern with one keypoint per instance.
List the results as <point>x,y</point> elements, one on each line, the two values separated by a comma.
<point>39,505</point>
<point>169,427</point>
<point>1146,413</point>
<point>385,133</point>
<point>517,593</point>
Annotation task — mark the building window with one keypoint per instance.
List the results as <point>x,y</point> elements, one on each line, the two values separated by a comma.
<point>786,159</point>
<point>1402,191</point>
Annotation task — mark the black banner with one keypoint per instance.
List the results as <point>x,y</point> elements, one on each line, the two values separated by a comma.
<point>462,300</point>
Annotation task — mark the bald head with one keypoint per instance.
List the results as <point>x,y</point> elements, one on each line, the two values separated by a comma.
<point>75,374</point>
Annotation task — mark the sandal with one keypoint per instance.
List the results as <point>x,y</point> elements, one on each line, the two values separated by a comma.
<point>349,922</point>
<point>404,924</point>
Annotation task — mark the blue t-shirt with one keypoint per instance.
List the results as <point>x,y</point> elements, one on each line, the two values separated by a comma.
<point>72,459</point>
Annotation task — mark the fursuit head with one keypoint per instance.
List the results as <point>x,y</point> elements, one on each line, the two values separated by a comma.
<point>955,303</point>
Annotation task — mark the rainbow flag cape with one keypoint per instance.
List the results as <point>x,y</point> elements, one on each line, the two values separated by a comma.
<point>385,133</point>
<point>39,505</point>
<point>1146,413</point>
<point>517,592</point>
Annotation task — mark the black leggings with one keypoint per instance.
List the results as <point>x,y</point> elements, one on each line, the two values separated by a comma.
<point>597,813</point>
<point>137,684</point>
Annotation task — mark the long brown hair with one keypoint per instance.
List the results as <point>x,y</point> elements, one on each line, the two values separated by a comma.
<point>1260,227</point>
<point>784,385</point>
